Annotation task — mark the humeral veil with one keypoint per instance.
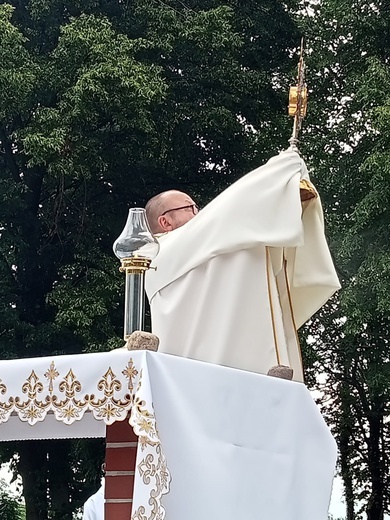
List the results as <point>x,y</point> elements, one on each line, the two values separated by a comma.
<point>234,284</point>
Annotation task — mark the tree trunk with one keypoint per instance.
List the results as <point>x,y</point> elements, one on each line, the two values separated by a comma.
<point>375,505</point>
<point>32,467</point>
<point>59,478</point>
<point>344,441</point>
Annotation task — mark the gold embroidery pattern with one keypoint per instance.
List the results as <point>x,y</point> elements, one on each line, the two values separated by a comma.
<point>3,388</point>
<point>51,375</point>
<point>152,469</point>
<point>155,475</point>
<point>67,402</point>
<point>62,394</point>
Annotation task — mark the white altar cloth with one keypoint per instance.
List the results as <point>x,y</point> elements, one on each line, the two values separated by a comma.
<point>237,444</point>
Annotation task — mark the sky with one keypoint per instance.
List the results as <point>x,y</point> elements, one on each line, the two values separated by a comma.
<point>337,505</point>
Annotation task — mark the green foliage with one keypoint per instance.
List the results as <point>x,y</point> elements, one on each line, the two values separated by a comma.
<point>10,507</point>
<point>17,75</point>
<point>104,104</point>
<point>348,139</point>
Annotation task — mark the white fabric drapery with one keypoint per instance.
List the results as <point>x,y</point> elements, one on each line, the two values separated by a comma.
<point>78,396</point>
<point>236,444</point>
<point>233,284</point>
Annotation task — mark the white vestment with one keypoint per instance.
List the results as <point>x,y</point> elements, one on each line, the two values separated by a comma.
<point>94,507</point>
<point>233,284</point>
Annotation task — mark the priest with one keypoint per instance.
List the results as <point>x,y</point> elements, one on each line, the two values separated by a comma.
<point>235,281</point>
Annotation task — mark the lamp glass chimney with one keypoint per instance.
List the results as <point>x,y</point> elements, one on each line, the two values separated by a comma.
<point>136,239</point>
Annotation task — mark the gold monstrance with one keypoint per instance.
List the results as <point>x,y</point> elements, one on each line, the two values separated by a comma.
<point>297,105</point>
<point>297,108</point>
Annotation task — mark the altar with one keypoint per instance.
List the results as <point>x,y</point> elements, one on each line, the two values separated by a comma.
<point>213,442</point>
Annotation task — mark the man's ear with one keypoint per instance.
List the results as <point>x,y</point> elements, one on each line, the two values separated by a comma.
<point>164,224</point>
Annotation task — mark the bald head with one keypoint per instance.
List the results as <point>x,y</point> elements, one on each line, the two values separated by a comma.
<point>169,210</point>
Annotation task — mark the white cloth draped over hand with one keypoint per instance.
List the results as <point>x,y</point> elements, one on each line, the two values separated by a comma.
<point>234,283</point>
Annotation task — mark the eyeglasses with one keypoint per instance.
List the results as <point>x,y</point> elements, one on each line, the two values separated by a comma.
<point>194,208</point>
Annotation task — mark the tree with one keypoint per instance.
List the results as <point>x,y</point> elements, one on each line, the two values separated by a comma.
<point>347,140</point>
<point>105,104</point>
<point>10,507</point>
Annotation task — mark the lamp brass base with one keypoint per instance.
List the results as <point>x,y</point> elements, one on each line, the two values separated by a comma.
<point>134,265</point>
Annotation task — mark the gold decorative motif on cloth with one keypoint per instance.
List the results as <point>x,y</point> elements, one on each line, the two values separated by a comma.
<point>109,397</point>
<point>66,399</point>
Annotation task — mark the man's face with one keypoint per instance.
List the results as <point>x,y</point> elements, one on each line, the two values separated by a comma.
<point>179,208</point>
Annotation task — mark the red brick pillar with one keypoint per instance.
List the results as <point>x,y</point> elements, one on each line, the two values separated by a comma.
<point>121,453</point>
